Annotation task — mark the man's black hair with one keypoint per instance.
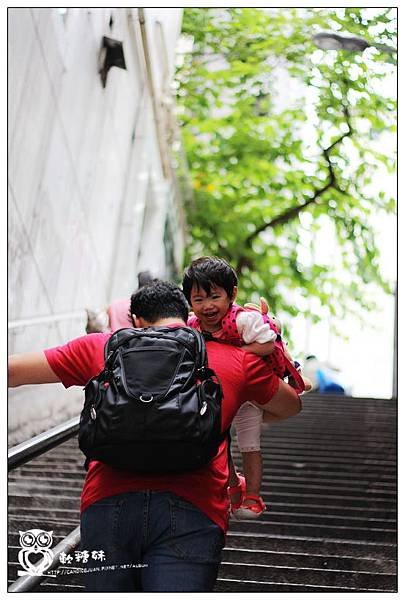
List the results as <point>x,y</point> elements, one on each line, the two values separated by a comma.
<point>144,277</point>
<point>159,300</point>
<point>207,271</point>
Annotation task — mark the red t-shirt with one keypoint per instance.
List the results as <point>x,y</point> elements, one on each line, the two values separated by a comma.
<point>243,377</point>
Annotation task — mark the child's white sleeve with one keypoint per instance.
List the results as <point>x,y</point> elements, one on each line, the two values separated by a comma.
<point>252,328</point>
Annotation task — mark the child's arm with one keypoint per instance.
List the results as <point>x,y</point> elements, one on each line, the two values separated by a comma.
<point>257,335</point>
<point>263,308</point>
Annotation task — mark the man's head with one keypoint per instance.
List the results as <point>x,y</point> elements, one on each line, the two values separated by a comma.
<point>158,301</point>
<point>144,278</point>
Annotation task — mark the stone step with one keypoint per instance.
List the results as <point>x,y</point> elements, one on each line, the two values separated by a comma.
<point>350,501</point>
<point>296,560</point>
<point>330,510</point>
<point>311,546</point>
<point>45,501</point>
<point>273,517</point>
<point>330,483</point>
<point>314,577</point>
<point>51,486</point>
<point>245,586</point>
<point>286,465</point>
<point>372,459</point>
<point>300,529</point>
<point>34,471</point>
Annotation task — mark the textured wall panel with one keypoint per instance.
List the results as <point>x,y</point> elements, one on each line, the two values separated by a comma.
<point>84,166</point>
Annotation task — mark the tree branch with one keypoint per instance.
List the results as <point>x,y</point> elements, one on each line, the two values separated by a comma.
<point>294,211</point>
<point>289,214</point>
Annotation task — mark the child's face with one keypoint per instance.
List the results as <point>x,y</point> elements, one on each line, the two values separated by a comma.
<point>211,308</point>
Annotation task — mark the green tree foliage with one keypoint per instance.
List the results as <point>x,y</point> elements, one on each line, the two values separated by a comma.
<point>283,139</point>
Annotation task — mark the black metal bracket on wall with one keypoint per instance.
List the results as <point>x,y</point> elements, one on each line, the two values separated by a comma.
<point>111,55</point>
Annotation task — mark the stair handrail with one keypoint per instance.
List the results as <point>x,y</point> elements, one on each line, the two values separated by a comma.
<point>26,583</point>
<point>41,443</point>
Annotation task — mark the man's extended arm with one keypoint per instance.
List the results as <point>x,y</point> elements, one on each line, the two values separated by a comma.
<point>276,398</point>
<point>28,368</point>
<point>259,349</point>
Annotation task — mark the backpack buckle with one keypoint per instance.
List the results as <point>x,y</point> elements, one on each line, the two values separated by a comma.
<point>142,399</point>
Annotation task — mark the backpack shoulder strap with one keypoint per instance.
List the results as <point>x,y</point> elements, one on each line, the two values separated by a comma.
<point>200,346</point>
<point>203,369</point>
<point>118,338</point>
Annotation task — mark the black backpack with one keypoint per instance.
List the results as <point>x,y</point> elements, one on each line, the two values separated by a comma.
<point>156,406</point>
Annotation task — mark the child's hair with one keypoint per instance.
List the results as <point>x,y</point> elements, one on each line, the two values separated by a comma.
<point>207,271</point>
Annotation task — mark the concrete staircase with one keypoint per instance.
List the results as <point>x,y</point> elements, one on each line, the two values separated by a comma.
<point>329,483</point>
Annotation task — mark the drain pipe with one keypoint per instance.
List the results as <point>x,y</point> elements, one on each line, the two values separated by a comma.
<point>156,107</point>
<point>26,583</point>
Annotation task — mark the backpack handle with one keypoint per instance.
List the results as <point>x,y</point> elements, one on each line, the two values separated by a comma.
<point>115,341</point>
<point>120,336</point>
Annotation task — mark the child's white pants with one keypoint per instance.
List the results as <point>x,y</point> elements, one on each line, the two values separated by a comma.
<point>248,422</point>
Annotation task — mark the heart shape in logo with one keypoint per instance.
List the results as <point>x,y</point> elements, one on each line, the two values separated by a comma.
<point>34,560</point>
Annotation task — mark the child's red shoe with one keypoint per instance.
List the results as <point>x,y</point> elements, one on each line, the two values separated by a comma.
<point>250,511</point>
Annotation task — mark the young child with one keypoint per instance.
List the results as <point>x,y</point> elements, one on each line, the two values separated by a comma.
<point>210,286</point>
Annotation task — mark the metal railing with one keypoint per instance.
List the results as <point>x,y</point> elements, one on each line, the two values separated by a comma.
<point>26,583</point>
<point>26,451</point>
<point>23,453</point>
<point>20,323</point>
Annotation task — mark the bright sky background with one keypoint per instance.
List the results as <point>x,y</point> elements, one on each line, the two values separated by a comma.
<point>366,358</point>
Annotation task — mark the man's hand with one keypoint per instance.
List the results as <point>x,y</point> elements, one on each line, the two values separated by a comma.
<point>262,308</point>
<point>285,403</point>
<point>28,368</point>
<point>259,349</point>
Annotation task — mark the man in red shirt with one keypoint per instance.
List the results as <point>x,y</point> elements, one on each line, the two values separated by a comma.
<point>160,532</point>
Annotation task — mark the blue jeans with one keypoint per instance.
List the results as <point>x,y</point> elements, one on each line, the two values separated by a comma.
<point>152,542</point>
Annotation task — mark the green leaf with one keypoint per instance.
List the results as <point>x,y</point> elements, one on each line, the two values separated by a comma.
<point>283,140</point>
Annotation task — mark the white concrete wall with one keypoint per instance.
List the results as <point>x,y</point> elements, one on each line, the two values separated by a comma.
<point>85,179</point>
